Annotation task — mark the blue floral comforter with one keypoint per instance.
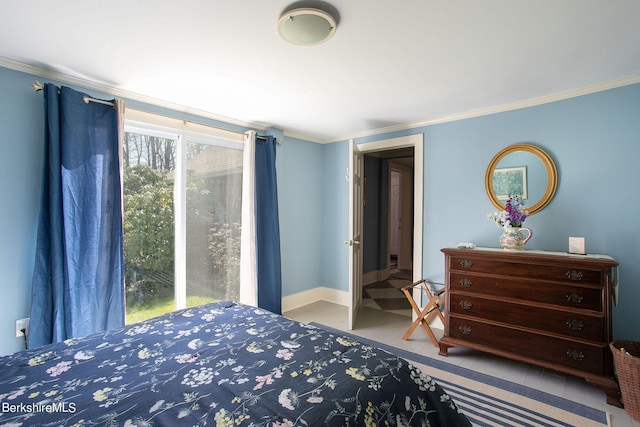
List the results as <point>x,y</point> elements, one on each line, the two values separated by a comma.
<point>221,364</point>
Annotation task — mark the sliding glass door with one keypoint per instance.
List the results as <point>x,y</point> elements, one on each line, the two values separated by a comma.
<point>182,210</point>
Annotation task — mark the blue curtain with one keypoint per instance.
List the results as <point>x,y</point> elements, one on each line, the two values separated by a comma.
<point>267,226</point>
<point>78,280</point>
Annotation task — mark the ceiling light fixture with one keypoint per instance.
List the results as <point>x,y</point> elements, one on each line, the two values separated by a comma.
<point>306,26</point>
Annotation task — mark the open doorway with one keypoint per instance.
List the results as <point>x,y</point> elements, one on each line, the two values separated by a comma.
<point>377,256</point>
<point>387,240</point>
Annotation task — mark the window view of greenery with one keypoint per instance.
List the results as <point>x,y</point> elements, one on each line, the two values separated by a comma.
<point>213,212</point>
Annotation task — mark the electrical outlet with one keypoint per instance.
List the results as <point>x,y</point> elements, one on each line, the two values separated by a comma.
<point>20,325</point>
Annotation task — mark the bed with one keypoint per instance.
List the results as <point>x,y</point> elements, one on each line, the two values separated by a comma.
<point>220,364</point>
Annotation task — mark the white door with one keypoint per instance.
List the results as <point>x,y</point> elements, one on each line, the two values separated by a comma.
<point>356,166</point>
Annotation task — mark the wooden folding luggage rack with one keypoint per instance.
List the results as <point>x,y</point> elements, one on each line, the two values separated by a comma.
<point>430,310</point>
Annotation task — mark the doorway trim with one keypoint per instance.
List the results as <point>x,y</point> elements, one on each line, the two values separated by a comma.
<point>417,142</point>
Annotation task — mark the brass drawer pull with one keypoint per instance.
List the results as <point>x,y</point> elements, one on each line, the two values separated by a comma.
<point>576,355</point>
<point>573,297</point>
<point>466,283</point>
<point>465,263</point>
<point>465,330</point>
<point>574,275</point>
<point>466,305</point>
<point>575,324</point>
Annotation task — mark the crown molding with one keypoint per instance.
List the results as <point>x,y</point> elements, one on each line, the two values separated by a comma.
<point>64,78</point>
<point>561,96</point>
<point>120,93</point>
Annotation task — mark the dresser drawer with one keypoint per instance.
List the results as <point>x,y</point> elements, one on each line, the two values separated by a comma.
<point>547,308</point>
<point>576,355</point>
<point>528,290</point>
<point>561,322</point>
<point>567,273</point>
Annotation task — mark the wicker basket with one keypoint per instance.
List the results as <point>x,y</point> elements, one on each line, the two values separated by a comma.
<point>626,356</point>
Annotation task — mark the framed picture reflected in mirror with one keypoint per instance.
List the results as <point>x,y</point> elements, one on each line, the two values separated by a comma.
<point>510,182</point>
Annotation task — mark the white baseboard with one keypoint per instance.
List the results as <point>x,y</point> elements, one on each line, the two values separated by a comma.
<point>335,296</point>
<point>321,293</point>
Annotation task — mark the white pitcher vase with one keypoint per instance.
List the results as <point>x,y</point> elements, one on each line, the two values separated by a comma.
<point>512,238</point>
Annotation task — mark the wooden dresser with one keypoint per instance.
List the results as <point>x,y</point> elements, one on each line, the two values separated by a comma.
<point>549,309</point>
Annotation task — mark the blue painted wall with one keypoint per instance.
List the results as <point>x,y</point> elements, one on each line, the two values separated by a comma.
<point>300,183</point>
<point>300,186</point>
<point>595,143</point>
<point>335,215</point>
<point>594,140</point>
<point>21,145</point>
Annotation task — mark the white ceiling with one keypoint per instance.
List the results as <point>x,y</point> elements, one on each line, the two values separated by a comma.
<point>390,63</point>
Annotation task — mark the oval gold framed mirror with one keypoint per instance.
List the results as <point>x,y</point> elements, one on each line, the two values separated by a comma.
<point>525,170</point>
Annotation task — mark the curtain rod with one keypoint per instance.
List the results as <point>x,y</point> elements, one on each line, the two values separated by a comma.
<point>264,138</point>
<point>37,86</point>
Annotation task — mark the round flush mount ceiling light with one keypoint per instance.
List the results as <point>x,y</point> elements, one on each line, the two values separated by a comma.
<point>306,26</point>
